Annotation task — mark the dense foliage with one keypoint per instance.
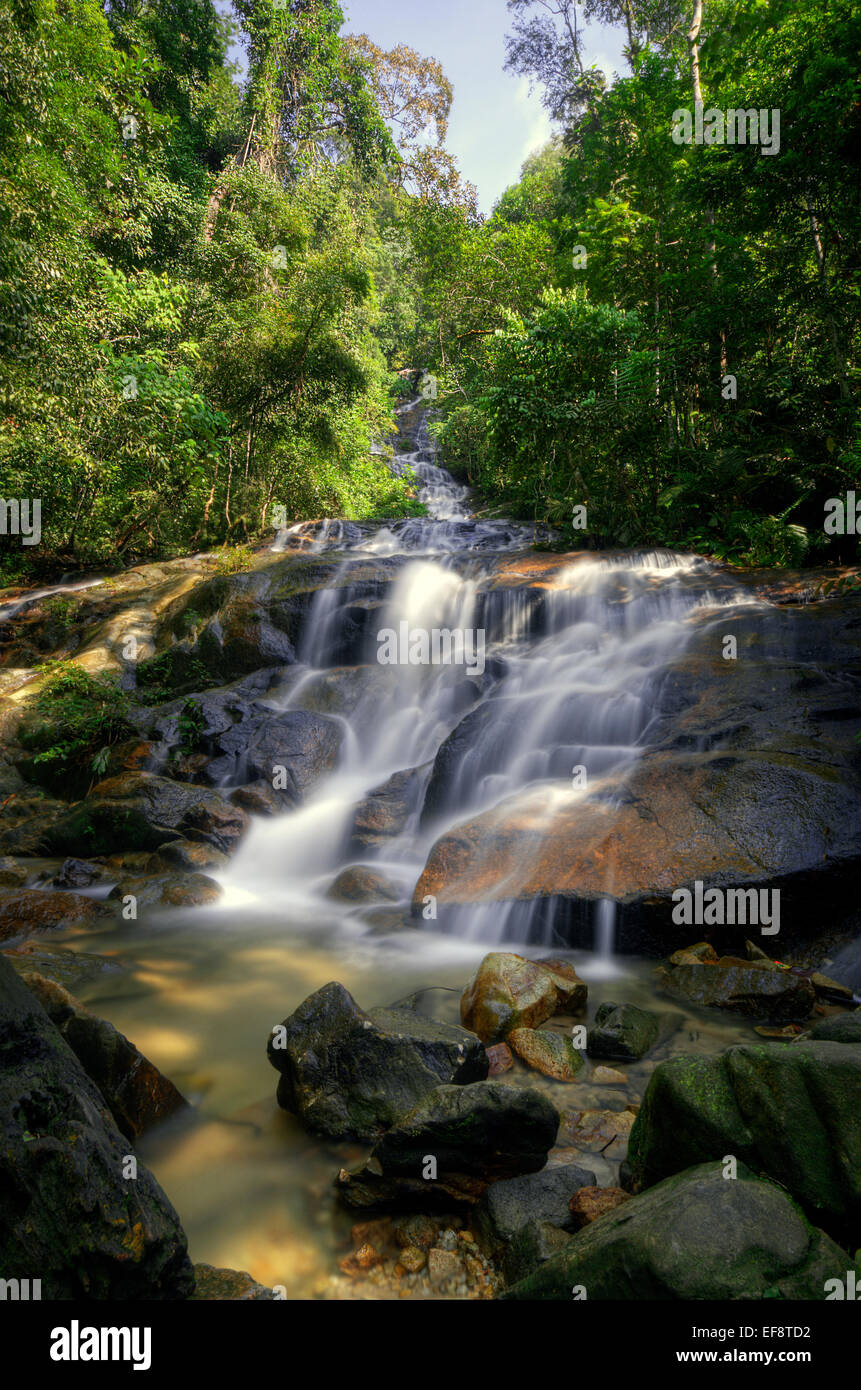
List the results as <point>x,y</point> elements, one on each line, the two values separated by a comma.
<point>208,282</point>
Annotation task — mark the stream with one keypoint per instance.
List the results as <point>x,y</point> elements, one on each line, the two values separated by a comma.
<point>565,685</point>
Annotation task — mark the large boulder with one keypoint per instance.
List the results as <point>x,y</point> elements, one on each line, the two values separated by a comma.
<point>743,987</point>
<point>137,1094</point>
<point>142,811</point>
<point>305,745</point>
<point>842,1028</point>
<point>69,1215</point>
<point>475,1135</point>
<point>350,1074</point>
<point>736,789</point>
<point>792,1112</point>
<point>508,991</point>
<point>696,1235</point>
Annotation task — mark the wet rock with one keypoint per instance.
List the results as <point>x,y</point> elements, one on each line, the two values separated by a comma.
<point>359,884</point>
<point>745,988</point>
<point>71,1215</point>
<point>71,969</point>
<point>306,746</point>
<point>260,799</point>
<point>190,855</point>
<point>608,1076</point>
<point>168,890</point>
<point>793,1113</point>
<point>740,820</point>
<point>531,1247</point>
<point>141,810</point>
<point>843,1028</point>
<point>136,1093</point>
<point>597,1131</point>
<point>413,1259</point>
<point>622,1032</point>
<point>570,989</point>
<point>500,1059</point>
<point>476,1134</point>
<point>443,1265</point>
<point>227,1286</point>
<point>24,912</point>
<point>741,1239</point>
<point>700,953</point>
<point>385,812</point>
<point>12,874</point>
<point>508,991</point>
<point>591,1202</point>
<point>351,1074</point>
<point>551,1053</point>
<point>418,1231</point>
<point>508,1206</point>
<point>77,873</point>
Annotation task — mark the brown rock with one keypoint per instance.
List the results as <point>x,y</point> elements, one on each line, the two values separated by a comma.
<point>507,991</point>
<point>413,1259</point>
<point>361,885</point>
<point>551,1053</point>
<point>25,912</point>
<point>418,1231</point>
<point>589,1203</point>
<point>500,1059</point>
<point>572,991</point>
<point>443,1265</point>
<point>377,1233</point>
<point>227,1285</point>
<point>608,1076</point>
<point>701,953</point>
<point>597,1131</point>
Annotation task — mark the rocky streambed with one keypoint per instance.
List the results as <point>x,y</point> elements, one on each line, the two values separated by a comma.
<point>536,939</point>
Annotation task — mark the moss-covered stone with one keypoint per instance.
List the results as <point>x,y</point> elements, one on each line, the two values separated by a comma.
<point>792,1112</point>
<point>697,1235</point>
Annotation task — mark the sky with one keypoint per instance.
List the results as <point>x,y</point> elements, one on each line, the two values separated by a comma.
<point>495,123</point>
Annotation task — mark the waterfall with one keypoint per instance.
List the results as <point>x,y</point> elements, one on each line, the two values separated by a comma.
<point>567,686</point>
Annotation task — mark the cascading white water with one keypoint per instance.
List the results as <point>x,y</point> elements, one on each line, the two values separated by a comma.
<point>569,683</point>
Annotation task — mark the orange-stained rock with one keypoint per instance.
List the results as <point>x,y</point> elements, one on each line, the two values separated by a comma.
<point>591,1202</point>
<point>553,1054</point>
<point>597,1131</point>
<point>507,991</point>
<point>23,912</point>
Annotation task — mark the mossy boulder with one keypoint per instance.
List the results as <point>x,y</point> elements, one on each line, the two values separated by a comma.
<point>142,811</point>
<point>622,1032</point>
<point>696,1235</point>
<point>793,1113</point>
